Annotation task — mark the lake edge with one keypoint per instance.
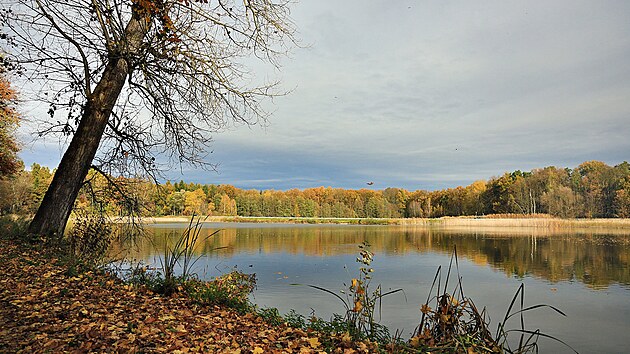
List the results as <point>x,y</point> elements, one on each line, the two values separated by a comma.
<point>461,223</point>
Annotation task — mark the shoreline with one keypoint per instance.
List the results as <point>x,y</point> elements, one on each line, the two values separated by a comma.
<point>50,306</point>
<point>444,222</point>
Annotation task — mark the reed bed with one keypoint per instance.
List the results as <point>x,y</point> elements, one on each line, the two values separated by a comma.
<point>542,222</point>
<point>499,223</point>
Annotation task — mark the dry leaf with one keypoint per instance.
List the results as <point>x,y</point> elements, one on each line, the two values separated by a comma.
<point>314,342</point>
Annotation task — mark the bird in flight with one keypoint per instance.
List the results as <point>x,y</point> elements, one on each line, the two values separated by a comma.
<point>370,183</point>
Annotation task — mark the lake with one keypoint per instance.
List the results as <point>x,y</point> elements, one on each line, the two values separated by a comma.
<point>585,275</point>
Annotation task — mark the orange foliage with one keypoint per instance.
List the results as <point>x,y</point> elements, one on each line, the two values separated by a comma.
<point>9,162</point>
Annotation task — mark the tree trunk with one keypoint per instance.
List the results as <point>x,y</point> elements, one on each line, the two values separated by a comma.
<point>53,213</point>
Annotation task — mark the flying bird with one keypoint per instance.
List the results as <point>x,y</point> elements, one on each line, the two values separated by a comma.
<point>370,183</point>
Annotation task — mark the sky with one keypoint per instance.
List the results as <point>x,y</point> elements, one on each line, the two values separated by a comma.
<point>431,95</point>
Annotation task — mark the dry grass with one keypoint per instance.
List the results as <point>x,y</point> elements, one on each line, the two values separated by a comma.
<point>512,222</point>
<point>501,223</point>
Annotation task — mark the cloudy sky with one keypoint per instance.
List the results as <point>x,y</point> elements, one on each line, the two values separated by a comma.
<point>429,95</point>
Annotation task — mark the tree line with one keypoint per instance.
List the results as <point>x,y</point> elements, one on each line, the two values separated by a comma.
<point>591,190</point>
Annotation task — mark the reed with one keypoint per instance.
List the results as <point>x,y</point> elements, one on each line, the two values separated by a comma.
<point>361,303</point>
<point>181,254</point>
<point>505,221</point>
<point>452,323</point>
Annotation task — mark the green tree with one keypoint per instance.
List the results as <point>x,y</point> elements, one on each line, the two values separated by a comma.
<point>15,193</point>
<point>40,179</point>
<point>562,201</point>
<point>472,199</point>
<point>595,180</point>
<point>419,205</point>
<point>497,197</point>
<point>176,202</point>
<point>622,202</point>
<point>398,199</point>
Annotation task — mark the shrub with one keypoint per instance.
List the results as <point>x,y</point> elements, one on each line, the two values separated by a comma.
<point>231,290</point>
<point>89,238</point>
<point>13,228</point>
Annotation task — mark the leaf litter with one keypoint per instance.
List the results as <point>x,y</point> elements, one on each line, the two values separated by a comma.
<point>46,308</point>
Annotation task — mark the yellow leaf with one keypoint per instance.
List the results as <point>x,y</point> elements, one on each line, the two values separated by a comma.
<point>357,306</point>
<point>314,342</point>
<point>425,309</point>
<point>180,328</point>
<point>258,350</point>
<point>415,342</point>
<point>167,317</point>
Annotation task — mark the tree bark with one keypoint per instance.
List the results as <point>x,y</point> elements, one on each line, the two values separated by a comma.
<point>52,215</point>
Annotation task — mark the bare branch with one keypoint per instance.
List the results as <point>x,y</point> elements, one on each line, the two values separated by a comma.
<point>101,22</point>
<point>187,75</point>
<point>86,67</point>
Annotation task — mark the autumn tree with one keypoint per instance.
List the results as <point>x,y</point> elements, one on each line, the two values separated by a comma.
<point>9,162</point>
<point>596,182</point>
<point>622,201</point>
<point>139,85</point>
<point>195,203</point>
<point>563,202</point>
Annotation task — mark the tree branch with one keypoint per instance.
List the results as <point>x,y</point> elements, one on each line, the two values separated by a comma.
<point>86,67</point>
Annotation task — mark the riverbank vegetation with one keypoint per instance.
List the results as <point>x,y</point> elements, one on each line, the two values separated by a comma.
<point>591,190</point>
<point>54,299</point>
<point>45,309</point>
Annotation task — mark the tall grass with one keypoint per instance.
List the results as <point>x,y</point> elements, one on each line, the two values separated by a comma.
<point>89,238</point>
<point>231,289</point>
<point>181,254</point>
<point>361,303</point>
<point>528,339</point>
<point>451,322</point>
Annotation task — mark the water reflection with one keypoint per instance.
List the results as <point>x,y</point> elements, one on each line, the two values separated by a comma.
<point>586,275</point>
<point>595,260</point>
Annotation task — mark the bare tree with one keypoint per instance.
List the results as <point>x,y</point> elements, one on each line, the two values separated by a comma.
<point>140,79</point>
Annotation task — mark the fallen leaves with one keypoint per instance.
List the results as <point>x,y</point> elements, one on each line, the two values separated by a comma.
<point>44,310</point>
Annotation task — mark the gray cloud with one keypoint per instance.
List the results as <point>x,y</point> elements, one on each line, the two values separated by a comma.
<point>432,95</point>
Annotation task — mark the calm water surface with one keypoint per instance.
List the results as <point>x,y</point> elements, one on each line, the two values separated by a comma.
<point>586,276</point>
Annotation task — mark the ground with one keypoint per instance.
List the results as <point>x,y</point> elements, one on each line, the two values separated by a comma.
<point>45,307</point>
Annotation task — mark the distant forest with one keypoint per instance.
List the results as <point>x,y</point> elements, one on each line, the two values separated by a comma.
<point>591,190</point>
